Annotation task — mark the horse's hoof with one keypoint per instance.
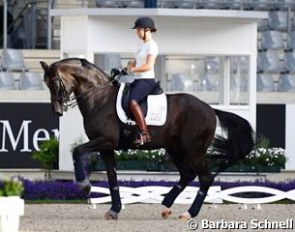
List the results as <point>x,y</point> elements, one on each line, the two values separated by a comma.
<point>111,215</point>
<point>185,216</point>
<point>166,213</point>
<point>87,189</point>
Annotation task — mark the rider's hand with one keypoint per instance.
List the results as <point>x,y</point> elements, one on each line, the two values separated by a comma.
<point>115,72</point>
<point>125,71</point>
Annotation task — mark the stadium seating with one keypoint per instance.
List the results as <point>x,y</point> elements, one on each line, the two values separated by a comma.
<point>291,40</point>
<point>289,62</point>
<point>108,3</point>
<point>132,4</point>
<point>262,24</point>
<point>165,4</point>
<point>284,4</point>
<point>269,61</point>
<point>286,83</point>
<point>265,83</point>
<point>259,4</point>
<point>233,4</point>
<point>30,81</point>
<point>278,20</point>
<point>272,40</point>
<point>185,4</point>
<point>7,81</point>
<point>12,60</point>
<point>211,4</point>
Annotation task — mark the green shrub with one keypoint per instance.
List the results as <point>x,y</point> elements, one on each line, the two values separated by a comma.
<point>11,187</point>
<point>48,154</point>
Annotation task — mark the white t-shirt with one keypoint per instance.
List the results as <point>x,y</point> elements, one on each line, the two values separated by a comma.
<point>148,48</point>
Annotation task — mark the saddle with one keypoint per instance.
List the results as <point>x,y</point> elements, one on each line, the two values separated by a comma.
<point>154,107</point>
<point>157,90</point>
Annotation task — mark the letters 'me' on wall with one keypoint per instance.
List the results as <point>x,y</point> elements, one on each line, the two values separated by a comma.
<point>23,127</point>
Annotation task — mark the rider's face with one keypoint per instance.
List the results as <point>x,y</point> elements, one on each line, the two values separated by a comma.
<point>140,32</point>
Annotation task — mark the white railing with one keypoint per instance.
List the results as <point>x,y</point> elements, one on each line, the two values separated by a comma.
<point>154,194</point>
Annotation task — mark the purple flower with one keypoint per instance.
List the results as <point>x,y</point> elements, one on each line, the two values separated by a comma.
<point>68,190</point>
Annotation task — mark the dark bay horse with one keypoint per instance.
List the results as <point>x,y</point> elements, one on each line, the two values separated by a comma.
<point>186,135</point>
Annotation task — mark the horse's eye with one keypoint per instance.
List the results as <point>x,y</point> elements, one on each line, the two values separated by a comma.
<point>46,80</point>
<point>55,85</point>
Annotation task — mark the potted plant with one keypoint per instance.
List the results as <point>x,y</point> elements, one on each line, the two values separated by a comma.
<point>11,205</point>
<point>266,159</point>
<point>48,155</point>
<point>147,160</point>
<point>263,158</point>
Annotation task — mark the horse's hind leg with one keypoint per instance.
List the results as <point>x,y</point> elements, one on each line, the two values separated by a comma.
<point>110,165</point>
<point>205,179</point>
<point>174,192</point>
<point>186,176</point>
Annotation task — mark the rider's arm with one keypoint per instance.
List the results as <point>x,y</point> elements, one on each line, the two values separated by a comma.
<point>150,62</point>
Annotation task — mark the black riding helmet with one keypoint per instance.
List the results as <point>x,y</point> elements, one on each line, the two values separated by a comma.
<point>145,22</point>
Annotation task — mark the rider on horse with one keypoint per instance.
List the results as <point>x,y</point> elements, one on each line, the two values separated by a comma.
<point>142,66</point>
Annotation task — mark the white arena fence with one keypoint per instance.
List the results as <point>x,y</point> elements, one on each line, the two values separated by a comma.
<point>154,194</point>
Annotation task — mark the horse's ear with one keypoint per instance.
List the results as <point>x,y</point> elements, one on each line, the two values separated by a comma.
<point>44,65</point>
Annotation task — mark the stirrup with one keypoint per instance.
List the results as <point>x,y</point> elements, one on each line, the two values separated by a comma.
<point>144,137</point>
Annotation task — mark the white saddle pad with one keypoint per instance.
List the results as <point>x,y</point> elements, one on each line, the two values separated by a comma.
<point>157,109</point>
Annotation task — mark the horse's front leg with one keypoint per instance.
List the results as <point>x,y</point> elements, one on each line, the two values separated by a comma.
<point>80,177</point>
<point>91,146</point>
<point>110,165</point>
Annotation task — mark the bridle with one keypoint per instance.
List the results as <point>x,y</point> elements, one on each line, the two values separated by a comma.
<point>64,97</point>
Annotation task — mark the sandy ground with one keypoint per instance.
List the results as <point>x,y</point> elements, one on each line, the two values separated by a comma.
<point>147,218</point>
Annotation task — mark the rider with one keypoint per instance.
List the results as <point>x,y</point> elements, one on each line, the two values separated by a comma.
<point>142,66</point>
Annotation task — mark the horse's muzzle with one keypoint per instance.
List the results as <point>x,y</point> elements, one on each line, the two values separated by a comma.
<point>57,108</point>
<point>59,114</point>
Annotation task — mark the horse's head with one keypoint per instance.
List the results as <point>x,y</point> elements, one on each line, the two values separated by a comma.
<point>58,90</point>
<point>73,75</point>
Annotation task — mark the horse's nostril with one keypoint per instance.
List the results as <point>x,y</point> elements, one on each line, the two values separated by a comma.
<point>59,114</point>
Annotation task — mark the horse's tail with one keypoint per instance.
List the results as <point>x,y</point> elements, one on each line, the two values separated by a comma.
<point>238,141</point>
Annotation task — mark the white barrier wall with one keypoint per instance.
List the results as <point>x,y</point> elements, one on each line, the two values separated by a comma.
<point>182,36</point>
<point>290,144</point>
<point>71,126</point>
<point>85,32</point>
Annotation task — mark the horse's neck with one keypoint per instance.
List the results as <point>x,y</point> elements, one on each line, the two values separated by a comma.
<point>96,99</point>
